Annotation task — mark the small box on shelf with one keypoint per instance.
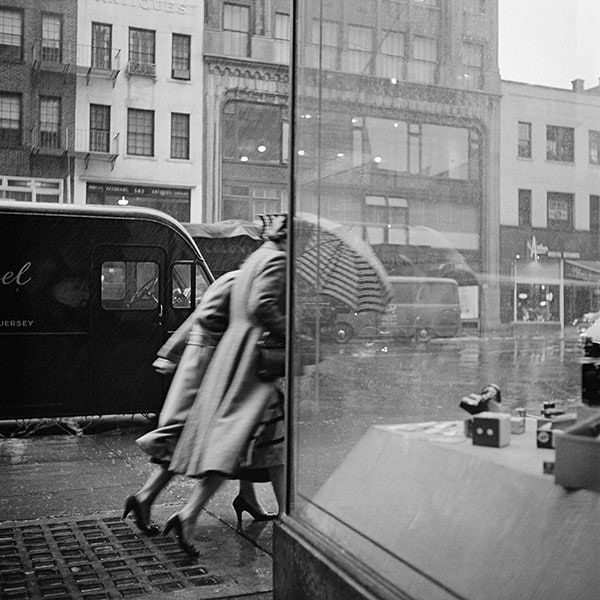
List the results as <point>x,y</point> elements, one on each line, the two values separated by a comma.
<point>549,429</point>
<point>491,429</point>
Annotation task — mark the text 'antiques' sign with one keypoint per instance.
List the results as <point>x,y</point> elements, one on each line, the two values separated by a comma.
<point>158,5</point>
<point>535,250</point>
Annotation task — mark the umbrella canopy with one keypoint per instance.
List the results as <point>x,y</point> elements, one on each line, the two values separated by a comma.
<point>339,264</point>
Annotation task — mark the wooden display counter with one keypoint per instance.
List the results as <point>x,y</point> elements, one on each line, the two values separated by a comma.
<point>436,517</point>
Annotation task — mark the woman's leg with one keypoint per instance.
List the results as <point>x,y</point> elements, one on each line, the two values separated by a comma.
<point>156,482</point>
<point>203,492</point>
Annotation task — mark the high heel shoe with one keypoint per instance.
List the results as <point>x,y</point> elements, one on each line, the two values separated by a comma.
<point>174,522</point>
<point>133,504</point>
<point>241,505</point>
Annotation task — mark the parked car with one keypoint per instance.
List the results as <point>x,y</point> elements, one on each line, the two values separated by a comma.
<point>576,332</point>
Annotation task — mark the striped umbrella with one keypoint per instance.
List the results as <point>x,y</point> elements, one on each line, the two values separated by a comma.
<point>341,265</point>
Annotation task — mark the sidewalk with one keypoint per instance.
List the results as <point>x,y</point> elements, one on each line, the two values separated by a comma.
<point>62,535</point>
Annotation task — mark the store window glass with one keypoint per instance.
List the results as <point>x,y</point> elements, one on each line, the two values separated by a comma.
<point>408,175</point>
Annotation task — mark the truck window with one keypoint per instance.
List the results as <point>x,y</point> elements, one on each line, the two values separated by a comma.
<point>129,285</point>
<point>181,284</point>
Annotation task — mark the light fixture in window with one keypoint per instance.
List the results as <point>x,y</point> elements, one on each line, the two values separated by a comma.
<point>308,116</point>
<point>122,201</point>
<point>394,80</point>
<point>355,120</point>
<point>261,148</point>
<point>300,152</point>
<point>378,159</point>
<point>244,159</point>
<point>340,155</point>
<point>396,124</point>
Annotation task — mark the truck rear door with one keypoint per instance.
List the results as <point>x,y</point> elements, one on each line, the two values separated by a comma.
<point>127,328</point>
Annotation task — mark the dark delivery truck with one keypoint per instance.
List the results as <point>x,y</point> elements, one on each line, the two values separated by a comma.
<point>88,294</point>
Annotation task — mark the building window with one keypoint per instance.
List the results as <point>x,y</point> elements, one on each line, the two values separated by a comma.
<point>51,38</point>
<point>10,121</point>
<point>181,51</point>
<point>560,210</point>
<point>473,65</point>
<point>101,46</point>
<point>360,49</point>
<point>11,34</point>
<point>594,147</point>
<point>50,136</point>
<point>425,57</point>
<point>142,46</point>
<point>243,202</point>
<point>326,38</point>
<point>99,128</point>
<point>524,150</point>
<point>524,207</point>
<point>560,143</point>
<point>180,135</point>
<point>282,38</point>
<point>595,213</point>
<point>385,219</point>
<point>140,132</point>
<point>392,55</point>
<point>252,132</point>
<point>236,29</point>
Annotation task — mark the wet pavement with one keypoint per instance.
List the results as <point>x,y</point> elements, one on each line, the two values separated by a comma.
<point>61,532</point>
<point>62,535</point>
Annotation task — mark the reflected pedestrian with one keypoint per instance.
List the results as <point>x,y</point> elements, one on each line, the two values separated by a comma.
<point>238,427</point>
<point>187,353</point>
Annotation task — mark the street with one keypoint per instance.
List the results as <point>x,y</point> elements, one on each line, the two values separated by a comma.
<point>375,383</point>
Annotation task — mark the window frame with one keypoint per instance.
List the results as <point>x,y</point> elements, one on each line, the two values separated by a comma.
<point>594,147</point>
<point>524,144</point>
<point>239,39</point>
<point>57,50</point>
<point>524,200</point>
<point>473,72</point>
<point>563,146</point>
<point>14,137</point>
<point>99,134</point>
<point>560,224</point>
<point>7,49</point>
<point>180,141</point>
<point>102,52</point>
<point>140,54</point>
<point>53,135</point>
<point>134,136</point>
<point>181,56</point>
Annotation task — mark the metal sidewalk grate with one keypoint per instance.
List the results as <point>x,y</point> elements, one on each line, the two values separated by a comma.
<point>92,559</point>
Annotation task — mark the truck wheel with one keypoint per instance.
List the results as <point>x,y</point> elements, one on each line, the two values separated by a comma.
<point>343,333</point>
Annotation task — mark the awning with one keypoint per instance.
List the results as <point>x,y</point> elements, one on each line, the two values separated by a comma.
<point>585,270</point>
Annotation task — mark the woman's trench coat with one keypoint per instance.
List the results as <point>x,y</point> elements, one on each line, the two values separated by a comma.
<point>233,405</point>
<point>192,346</point>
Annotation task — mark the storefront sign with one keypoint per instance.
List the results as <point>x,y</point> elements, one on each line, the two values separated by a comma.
<point>156,5</point>
<point>138,190</point>
<point>534,249</point>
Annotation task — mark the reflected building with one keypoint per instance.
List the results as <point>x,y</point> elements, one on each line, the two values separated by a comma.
<point>246,71</point>
<point>37,99</point>
<point>398,121</point>
<point>550,210</point>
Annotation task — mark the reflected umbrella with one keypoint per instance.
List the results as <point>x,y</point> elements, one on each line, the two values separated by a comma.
<point>339,264</point>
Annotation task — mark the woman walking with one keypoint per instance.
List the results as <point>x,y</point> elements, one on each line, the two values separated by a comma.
<point>236,427</point>
<point>189,350</point>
